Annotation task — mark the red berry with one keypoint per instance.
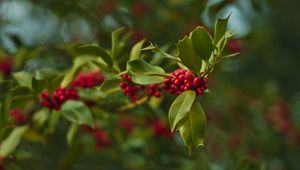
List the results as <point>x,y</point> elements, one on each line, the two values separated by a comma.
<point>157,94</point>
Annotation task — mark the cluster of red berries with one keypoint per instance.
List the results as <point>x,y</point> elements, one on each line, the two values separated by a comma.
<point>100,136</point>
<point>59,96</point>
<point>131,89</point>
<point>6,66</point>
<point>160,129</point>
<point>88,80</point>
<point>154,90</point>
<point>183,80</point>
<point>18,116</point>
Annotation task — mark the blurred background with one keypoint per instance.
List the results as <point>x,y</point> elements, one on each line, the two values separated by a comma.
<point>254,117</point>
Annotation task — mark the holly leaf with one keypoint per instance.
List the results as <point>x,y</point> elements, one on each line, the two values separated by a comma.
<point>23,78</point>
<point>110,85</point>
<point>12,141</point>
<point>94,50</point>
<point>188,56</point>
<point>136,50</point>
<point>220,29</point>
<point>145,73</point>
<point>180,108</point>
<point>202,43</point>
<point>77,112</point>
<point>192,127</point>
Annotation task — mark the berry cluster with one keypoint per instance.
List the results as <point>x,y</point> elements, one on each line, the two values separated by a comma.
<point>154,90</point>
<point>183,80</point>
<point>6,66</point>
<point>160,129</point>
<point>100,136</point>
<point>18,116</point>
<point>131,89</point>
<point>60,95</point>
<point>88,80</point>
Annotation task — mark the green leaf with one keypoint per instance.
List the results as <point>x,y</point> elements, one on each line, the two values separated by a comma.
<point>192,128</point>
<point>40,117</point>
<point>188,56</point>
<point>54,118</point>
<point>180,108</point>
<point>20,90</point>
<point>94,51</point>
<point>110,85</point>
<point>21,100</point>
<point>220,29</point>
<point>56,82</point>
<point>116,45</point>
<point>12,141</point>
<point>136,50</point>
<point>140,66</point>
<point>90,94</point>
<point>202,43</point>
<point>39,85</point>
<point>145,73</point>
<point>23,78</point>
<point>72,132</point>
<point>77,112</point>
<point>146,79</point>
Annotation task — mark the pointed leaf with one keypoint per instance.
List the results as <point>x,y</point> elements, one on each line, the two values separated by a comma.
<point>180,108</point>
<point>202,43</point>
<point>192,128</point>
<point>12,141</point>
<point>220,29</point>
<point>136,50</point>
<point>23,78</point>
<point>77,112</point>
<point>94,51</point>
<point>188,56</point>
<point>145,73</point>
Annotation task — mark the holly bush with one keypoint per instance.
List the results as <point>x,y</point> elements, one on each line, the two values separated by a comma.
<point>142,85</point>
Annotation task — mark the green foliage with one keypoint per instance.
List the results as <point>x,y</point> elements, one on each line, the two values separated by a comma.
<point>77,112</point>
<point>144,73</point>
<point>12,141</point>
<point>180,108</point>
<point>192,128</point>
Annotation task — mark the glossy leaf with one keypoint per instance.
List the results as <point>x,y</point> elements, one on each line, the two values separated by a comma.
<point>188,56</point>
<point>136,50</point>
<point>180,108</point>
<point>77,112</point>
<point>140,66</point>
<point>12,141</point>
<point>220,29</point>
<point>110,85</point>
<point>145,73</point>
<point>147,79</point>
<point>202,43</point>
<point>192,128</point>
<point>94,51</point>
<point>23,78</point>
